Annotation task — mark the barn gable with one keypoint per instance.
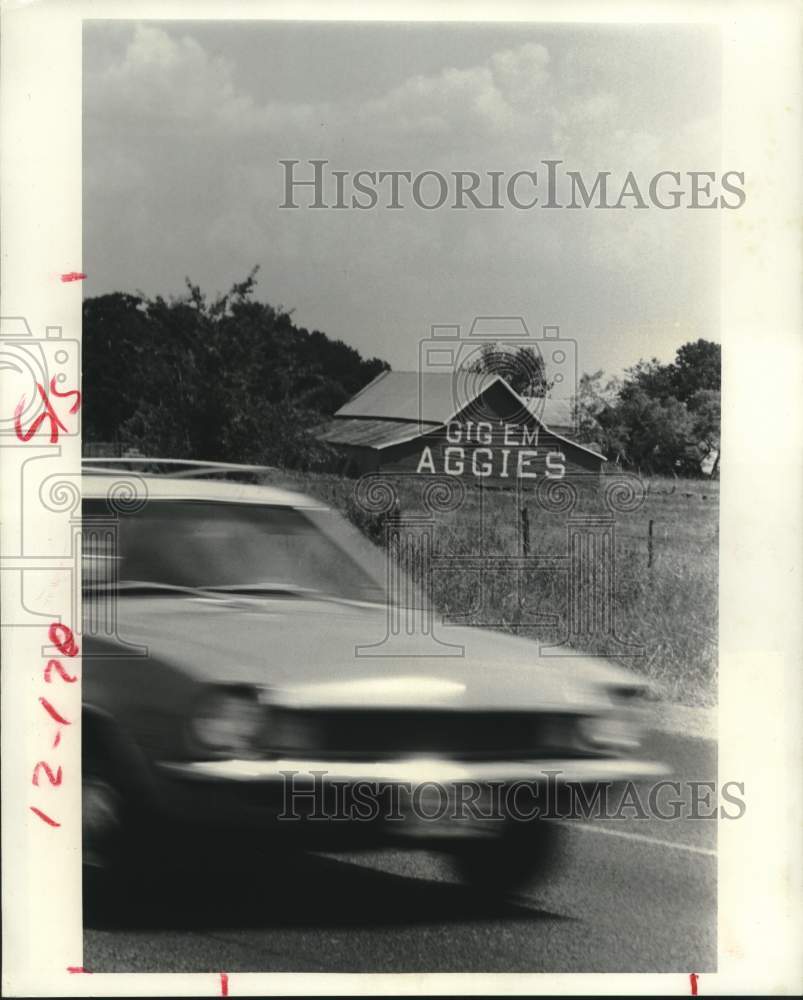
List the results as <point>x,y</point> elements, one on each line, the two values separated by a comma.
<point>479,428</point>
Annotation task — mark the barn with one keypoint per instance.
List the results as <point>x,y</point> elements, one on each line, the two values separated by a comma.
<point>474,426</point>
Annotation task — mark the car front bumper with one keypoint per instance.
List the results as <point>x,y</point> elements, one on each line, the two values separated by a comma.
<point>419,770</point>
<point>422,799</point>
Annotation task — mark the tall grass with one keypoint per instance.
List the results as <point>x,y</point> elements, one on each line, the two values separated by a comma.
<point>669,607</point>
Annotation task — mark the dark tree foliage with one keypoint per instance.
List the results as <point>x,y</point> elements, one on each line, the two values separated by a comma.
<point>522,367</point>
<point>660,418</point>
<point>696,366</point>
<point>231,379</point>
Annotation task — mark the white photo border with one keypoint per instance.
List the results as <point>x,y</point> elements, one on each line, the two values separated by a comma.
<point>761,491</point>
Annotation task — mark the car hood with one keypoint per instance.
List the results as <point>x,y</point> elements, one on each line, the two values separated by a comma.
<point>317,653</point>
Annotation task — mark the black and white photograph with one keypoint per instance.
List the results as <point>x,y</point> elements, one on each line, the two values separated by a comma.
<point>389,440</point>
<point>438,289</point>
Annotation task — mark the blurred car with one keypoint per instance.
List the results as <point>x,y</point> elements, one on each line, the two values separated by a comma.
<point>222,690</point>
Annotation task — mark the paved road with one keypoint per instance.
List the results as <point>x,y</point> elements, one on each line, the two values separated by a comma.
<point>631,896</point>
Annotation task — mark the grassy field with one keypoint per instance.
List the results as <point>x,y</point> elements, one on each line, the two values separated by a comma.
<point>668,607</point>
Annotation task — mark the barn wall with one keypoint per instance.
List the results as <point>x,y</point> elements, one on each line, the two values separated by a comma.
<point>493,439</point>
<point>495,461</point>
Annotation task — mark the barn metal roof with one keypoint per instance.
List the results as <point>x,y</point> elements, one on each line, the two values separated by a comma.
<point>435,397</point>
<point>400,406</point>
<point>374,433</point>
<point>552,412</point>
<point>428,397</point>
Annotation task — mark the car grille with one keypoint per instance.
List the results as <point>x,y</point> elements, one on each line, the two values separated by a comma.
<point>464,735</point>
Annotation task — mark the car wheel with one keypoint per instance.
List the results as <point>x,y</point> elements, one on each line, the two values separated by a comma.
<point>521,855</point>
<point>103,809</point>
<point>110,827</point>
<point>102,818</point>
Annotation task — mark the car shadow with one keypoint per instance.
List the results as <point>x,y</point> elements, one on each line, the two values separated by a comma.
<point>263,888</point>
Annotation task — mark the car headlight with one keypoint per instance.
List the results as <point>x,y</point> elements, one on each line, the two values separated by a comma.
<point>230,721</point>
<point>610,732</point>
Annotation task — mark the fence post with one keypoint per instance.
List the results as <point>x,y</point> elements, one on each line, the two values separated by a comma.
<point>525,532</point>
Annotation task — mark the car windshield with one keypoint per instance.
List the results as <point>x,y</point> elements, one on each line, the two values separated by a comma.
<point>230,547</point>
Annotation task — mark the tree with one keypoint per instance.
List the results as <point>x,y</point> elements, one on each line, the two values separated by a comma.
<point>658,431</point>
<point>230,378</point>
<point>662,417</point>
<point>705,409</point>
<point>593,399</point>
<point>650,377</point>
<point>115,327</point>
<point>698,367</point>
<point>521,366</point>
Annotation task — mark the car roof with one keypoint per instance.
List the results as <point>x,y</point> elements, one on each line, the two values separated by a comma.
<point>121,483</point>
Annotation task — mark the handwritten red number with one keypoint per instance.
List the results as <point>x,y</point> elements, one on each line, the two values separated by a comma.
<point>59,668</point>
<point>63,639</point>
<point>44,817</point>
<point>49,413</point>
<point>53,713</point>
<point>54,779</point>
<point>64,395</point>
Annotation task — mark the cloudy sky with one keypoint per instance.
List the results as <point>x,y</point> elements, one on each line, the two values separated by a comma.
<point>185,123</point>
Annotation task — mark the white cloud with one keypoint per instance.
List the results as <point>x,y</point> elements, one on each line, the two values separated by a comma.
<point>164,80</point>
<point>510,106</point>
<point>183,175</point>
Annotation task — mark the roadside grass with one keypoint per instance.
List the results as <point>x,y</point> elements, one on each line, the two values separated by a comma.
<point>668,607</point>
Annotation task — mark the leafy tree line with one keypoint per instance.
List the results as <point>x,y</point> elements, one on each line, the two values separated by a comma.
<point>660,418</point>
<point>231,379</point>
